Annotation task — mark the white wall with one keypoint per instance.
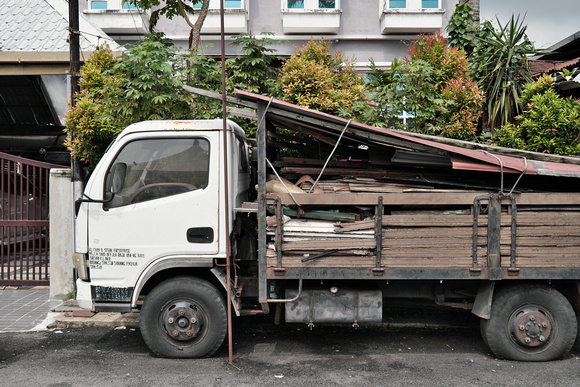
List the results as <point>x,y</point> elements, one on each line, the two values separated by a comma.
<point>61,207</point>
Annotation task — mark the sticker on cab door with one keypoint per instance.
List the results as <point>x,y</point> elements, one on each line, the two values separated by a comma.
<point>105,256</point>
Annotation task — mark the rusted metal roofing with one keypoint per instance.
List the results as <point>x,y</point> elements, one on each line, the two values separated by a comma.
<point>463,155</point>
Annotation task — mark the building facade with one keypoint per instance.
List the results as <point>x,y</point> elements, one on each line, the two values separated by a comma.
<point>364,29</point>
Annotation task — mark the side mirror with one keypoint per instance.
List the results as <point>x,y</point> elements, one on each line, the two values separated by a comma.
<point>116,178</point>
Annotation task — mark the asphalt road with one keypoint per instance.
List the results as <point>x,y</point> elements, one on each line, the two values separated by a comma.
<point>268,355</point>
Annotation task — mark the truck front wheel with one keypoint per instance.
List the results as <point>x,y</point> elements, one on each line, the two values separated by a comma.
<point>530,322</point>
<point>183,317</point>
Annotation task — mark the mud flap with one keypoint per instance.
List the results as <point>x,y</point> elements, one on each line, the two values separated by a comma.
<point>221,276</point>
<point>482,305</point>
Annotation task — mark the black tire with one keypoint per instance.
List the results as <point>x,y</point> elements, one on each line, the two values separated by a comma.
<point>530,322</point>
<point>483,323</point>
<point>576,346</point>
<point>184,317</point>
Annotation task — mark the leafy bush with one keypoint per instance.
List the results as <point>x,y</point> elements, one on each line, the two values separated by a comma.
<point>89,132</point>
<point>550,123</point>
<point>433,85</point>
<point>314,78</point>
<point>500,66</point>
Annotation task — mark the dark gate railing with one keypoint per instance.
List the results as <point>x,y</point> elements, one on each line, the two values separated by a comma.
<point>24,224</point>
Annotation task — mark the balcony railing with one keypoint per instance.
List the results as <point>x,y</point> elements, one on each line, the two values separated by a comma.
<point>310,16</point>
<point>114,17</point>
<point>411,16</point>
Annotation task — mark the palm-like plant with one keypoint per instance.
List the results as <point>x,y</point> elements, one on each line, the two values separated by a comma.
<point>500,65</point>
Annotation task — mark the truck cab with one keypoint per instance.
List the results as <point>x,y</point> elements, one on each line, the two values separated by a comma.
<point>152,205</point>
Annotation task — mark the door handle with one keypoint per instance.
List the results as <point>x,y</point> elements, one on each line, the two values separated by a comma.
<point>200,235</point>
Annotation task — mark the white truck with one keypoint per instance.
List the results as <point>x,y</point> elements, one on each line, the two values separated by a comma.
<point>167,207</point>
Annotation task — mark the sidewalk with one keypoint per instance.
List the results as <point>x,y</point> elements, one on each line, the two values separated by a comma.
<point>25,309</point>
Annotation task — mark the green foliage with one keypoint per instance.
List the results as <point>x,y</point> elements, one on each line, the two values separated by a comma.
<point>145,85</point>
<point>500,65</point>
<point>314,78</point>
<point>432,84</point>
<point>254,70</point>
<point>568,75</point>
<point>88,130</point>
<point>151,76</point>
<point>461,28</point>
<point>550,123</point>
<point>167,8</point>
<point>205,73</point>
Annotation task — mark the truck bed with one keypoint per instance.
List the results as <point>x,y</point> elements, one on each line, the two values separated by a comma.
<point>425,234</point>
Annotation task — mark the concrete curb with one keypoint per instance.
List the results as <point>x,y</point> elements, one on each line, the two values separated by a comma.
<point>102,320</point>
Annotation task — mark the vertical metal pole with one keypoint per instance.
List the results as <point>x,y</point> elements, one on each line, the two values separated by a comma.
<point>493,237</point>
<point>261,140</point>
<point>379,231</point>
<point>226,188</point>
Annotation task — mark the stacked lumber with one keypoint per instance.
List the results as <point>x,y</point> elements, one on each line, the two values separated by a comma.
<point>544,239</point>
<point>408,240</point>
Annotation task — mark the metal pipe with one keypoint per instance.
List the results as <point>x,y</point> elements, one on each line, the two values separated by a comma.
<point>226,188</point>
<point>288,300</point>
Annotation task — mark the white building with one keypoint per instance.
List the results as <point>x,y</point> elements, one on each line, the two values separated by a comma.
<point>363,29</point>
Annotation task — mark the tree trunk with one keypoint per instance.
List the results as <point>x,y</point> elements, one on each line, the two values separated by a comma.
<point>195,33</point>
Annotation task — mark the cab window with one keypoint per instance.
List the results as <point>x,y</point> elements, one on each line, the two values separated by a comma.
<point>155,168</point>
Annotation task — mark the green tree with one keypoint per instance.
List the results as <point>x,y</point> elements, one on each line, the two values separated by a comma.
<point>145,85</point>
<point>500,65</point>
<point>549,123</point>
<point>88,130</point>
<point>461,28</point>
<point>314,78</point>
<point>151,76</point>
<point>433,85</point>
<point>172,8</point>
<point>254,70</point>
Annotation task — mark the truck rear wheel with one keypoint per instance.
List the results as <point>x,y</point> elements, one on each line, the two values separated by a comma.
<point>530,322</point>
<point>183,317</point>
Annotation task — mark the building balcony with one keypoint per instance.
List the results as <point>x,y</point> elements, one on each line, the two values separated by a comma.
<point>310,16</point>
<point>236,17</point>
<point>411,16</point>
<point>114,17</point>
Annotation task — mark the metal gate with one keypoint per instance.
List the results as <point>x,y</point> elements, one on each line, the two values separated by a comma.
<point>24,225</point>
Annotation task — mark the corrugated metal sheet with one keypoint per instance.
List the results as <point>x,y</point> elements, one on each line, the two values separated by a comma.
<point>463,155</point>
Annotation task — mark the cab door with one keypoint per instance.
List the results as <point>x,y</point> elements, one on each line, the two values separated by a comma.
<point>164,203</point>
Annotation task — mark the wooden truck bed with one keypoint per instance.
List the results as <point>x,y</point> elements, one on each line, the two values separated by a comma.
<point>423,235</point>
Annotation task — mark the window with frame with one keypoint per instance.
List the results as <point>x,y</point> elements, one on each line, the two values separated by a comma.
<point>151,169</point>
<point>228,4</point>
<point>424,4</point>
<point>311,4</point>
<point>111,4</point>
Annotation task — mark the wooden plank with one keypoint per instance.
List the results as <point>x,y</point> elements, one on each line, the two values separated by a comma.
<point>324,245</point>
<point>427,199</point>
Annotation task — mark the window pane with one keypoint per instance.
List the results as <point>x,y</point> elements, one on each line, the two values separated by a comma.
<point>326,4</point>
<point>154,169</point>
<point>233,3</point>
<point>295,3</point>
<point>430,4</point>
<point>197,5</point>
<point>98,5</point>
<point>129,6</point>
<point>397,4</point>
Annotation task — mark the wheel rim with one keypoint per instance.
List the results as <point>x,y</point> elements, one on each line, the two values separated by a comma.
<point>183,320</point>
<point>531,326</point>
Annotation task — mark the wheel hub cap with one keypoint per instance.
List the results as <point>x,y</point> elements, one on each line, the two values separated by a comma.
<point>182,321</point>
<point>531,328</point>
